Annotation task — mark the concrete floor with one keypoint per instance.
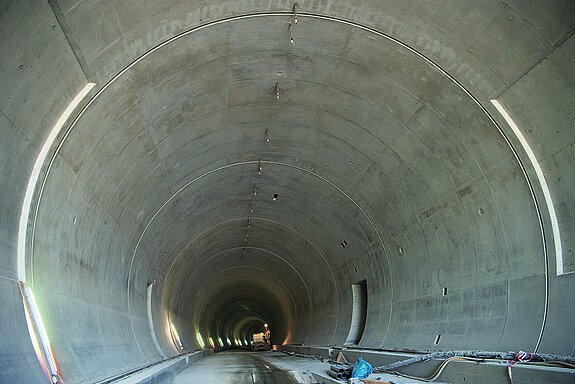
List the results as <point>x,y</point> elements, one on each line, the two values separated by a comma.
<point>266,367</point>
<point>235,367</point>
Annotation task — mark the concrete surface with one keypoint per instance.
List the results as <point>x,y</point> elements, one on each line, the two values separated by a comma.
<point>385,142</point>
<point>235,367</point>
<point>455,372</point>
<point>164,372</point>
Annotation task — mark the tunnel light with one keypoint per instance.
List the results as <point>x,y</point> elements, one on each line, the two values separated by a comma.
<point>200,340</point>
<point>278,90</point>
<point>220,342</point>
<point>151,320</point>
<point>35,175</point>
<point>229,343</point>
<point>295,12</point>
<point>267,136</point>
<point>542,183</point>
<point>176,336</point>
<point>211,342</point>
<point>38,334</point>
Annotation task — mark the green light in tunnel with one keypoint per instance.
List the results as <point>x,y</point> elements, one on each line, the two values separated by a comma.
<point>200,340</point>
<point>220,342</point>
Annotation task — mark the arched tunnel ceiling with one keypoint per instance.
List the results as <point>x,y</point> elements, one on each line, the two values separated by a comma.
<point>364,130</point>
<point>383,152</point>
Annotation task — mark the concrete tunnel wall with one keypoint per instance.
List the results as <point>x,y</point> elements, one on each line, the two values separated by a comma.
<point>369,143</point>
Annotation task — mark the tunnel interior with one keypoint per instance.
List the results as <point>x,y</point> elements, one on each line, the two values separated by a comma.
<point>237,169</point>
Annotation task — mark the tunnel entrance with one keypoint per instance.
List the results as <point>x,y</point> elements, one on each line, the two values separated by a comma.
<point>358,314</point>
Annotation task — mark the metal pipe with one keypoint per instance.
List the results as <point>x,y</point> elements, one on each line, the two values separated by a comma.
<point>337,376</point>
<point>337,368</point>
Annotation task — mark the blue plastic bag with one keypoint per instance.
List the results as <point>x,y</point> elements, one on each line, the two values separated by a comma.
<point>361,369</point>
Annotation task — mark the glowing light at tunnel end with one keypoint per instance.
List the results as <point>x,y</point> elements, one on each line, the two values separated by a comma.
<point>542,183</point>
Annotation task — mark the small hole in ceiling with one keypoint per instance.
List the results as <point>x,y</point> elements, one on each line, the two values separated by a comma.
<point>480,211</point>
<point>276,197</point>
<point>355,269</point>
<point>75,220</point>
<point>445,291</point>
<point>400,251</point>
<point>343,244</point>
<point>437,339</point>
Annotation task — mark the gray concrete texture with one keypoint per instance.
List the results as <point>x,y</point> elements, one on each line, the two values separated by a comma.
<point>369,143</point>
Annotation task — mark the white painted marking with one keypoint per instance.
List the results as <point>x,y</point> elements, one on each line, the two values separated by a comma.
<point>151,322</point>
<point>542,183</point>
<point>26,205</point>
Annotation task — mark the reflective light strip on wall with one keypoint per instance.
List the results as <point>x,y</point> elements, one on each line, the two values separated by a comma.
<point>38,334</point>
<point>26,205</point>
<point>151,322</point>
<point>542,183</point>
<point>176,337</point>
<point>200,340</point>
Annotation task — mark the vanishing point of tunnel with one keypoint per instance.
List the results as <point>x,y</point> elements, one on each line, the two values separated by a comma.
<point>368,175</point>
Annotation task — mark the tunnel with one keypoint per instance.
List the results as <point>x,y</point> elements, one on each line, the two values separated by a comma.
<point>389,175</point>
